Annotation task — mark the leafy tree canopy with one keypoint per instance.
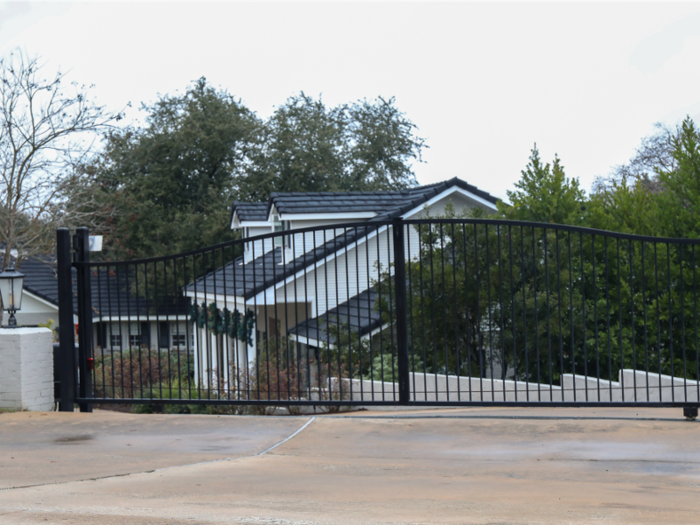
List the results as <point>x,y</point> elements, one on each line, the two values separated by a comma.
<point>174,179</point>
<point>307,146</point>
<point>627,206</point>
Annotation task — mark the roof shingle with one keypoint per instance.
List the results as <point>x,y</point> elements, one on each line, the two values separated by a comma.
<point>378,202</point>
<point>112,291</point>
<point>357,315</point>
<point>249,211</point>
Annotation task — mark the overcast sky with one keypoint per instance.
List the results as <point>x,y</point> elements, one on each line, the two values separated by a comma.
<point>483,82</point>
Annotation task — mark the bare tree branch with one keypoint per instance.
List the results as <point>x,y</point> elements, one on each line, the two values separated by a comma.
<point>48,130</point>
<point>654,153</point>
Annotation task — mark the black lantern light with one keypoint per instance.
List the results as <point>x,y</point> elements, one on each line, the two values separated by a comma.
<point>11,284</point>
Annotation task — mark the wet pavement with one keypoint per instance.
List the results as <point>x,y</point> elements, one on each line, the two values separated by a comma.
<point>439,466</point>
<point>49,447</point>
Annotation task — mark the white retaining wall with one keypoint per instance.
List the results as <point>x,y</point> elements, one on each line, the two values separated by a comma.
<point>660,387</point>
<point>440,388</point>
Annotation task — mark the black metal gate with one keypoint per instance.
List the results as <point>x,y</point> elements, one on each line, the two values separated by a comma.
<point>403,312</point>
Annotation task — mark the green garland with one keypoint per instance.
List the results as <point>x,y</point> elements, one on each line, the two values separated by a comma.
<point>232,324</point>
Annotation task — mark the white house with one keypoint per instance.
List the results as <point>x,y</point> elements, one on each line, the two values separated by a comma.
<point>291,285</point>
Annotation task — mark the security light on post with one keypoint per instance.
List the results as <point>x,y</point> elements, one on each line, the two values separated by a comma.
<point>11,284</point>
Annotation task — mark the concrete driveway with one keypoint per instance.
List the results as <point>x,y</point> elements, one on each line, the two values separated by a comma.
<point>443,466</point>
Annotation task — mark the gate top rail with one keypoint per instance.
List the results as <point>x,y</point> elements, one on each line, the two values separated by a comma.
<point>552,226</point>
<point>371,225</point>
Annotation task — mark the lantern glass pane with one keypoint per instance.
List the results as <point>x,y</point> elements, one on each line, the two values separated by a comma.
<point>11,284</point>
<point>6,293</point>
<point>17,285</point>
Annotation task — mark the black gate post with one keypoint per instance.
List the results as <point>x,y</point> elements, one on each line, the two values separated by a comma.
<point>66,331</point>
<point>401,311</point>
<point>85,360</point>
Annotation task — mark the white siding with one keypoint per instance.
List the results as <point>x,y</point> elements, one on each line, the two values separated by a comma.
<point>258,247</point>
<point>326,284</point>
<point>301,243</point>
<point>296,243</point>
<point>34,311</point>
<point>460,203</point>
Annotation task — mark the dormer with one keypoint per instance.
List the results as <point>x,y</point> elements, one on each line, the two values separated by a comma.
<point>251,219</point>
<point>319,208</point>
<point>280,224</point>
<point>249,215</point>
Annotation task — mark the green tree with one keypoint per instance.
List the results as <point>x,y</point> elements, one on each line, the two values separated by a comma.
<point>625,205</point>
<point>657,192</point>
<point>301,150</point>
<point>307,146</point>
<point>173,180</point>
<point>592,304</point>
<point>382,146</point>
<point>545,194</point>
<point>449,298</point>
<point>679,200</point>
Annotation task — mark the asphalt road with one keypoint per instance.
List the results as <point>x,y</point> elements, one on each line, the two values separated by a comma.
<point>466,466</point>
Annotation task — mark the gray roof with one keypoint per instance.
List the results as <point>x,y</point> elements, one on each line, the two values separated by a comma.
<point>357,314</point>
<point>118,291</point>
<point>379,202</point>
<point>249,211</point>
<point>40,279</point>
<point>340,202</point>
<point>112,290</point>
<point>242,279</point>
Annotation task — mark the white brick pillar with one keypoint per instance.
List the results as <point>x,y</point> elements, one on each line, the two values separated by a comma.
<point>26,368</point>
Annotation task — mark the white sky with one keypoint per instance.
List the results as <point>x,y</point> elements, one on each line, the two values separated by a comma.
<point>483,82</point>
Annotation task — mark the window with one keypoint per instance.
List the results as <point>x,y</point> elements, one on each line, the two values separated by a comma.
<point>115,340</point>
<point>179,337</point>
<point>280,226</point>
<point>135,339</point>
<point>180,340</point>
<point>273,326</point>
<point>101,334</point>
<point>163,333</point>
<point>145,333</point>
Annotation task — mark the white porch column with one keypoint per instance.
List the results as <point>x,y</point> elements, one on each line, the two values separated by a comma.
<point>26,368</point>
